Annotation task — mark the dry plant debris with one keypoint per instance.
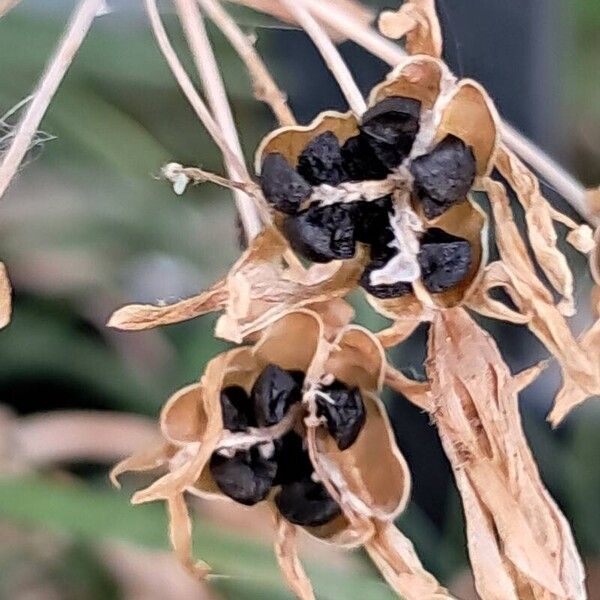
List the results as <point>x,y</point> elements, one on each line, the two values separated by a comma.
<point>379,198</point>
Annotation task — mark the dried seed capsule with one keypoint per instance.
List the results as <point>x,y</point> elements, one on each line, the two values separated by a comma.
<point>344,410</point>
<point>323,234</point>
<point>293,461</point>
<point>236,408</point>
<point>391,128</point>
<point>444,259</point>
<point>273,393</point>
<point>373,221</point>
<point>321,160</point>
<point>306,503</point>
<point>379,258</point>
<point>281,185</point>
<point>444,176</point>
<point>246,477</point>
<point>360,161</point>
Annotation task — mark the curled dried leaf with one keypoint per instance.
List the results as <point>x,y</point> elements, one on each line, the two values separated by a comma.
<point>516,275</point>
<point>418,21</point>
<point>540,227</point>
<point>519,542</point>
<point>258,289</point>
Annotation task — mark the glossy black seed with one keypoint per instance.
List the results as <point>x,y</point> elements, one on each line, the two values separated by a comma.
<point>373,221</point>
<point>323,234</point>
<point>444,259</point>
<point>345,413</point>
<point>444,176</point>
<point>247,477</point>
<point>360,161</point>
<point>391,128</point>
<point>236,408</point>
<point>321,160</point>
<point>306,503</point>
<point>272,395</point>
<point>293,461</point>
<point>379,258</point>
<point>282,187</point>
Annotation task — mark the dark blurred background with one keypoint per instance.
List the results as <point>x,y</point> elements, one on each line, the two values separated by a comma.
<point>87,227</point>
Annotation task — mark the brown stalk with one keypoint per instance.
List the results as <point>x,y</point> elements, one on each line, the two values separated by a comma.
<point>6,5</point>
<point>208,70</point>
<point>265,88</point>
<point>187,86</point>
<point>77,28</point>
<point>329,52</point>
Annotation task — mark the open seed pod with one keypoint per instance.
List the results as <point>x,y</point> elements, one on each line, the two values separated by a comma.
<point>357,359</point>
<point>194,421</point>
<point>258,288</point>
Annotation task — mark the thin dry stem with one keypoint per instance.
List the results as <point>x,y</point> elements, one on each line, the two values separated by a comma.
<point>6,5</point>
<point>173,172</point>
<point>64,436</point>
<point>265,88</point>
<point>331,56</point>
<point>208,70</point>
<point>186,84</point>
<point>77,28</point>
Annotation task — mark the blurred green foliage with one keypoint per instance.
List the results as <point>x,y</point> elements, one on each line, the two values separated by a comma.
<point>88,228</point>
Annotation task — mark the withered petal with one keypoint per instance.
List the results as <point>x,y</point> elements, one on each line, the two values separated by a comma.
<point>144,460</point>
<point>417,20</point>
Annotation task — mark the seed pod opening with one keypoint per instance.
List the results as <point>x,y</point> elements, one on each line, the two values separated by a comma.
<point>358,360</point>
<point>471,116</point>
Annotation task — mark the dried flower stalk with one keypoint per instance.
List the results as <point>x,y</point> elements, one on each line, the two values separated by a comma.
<point>75,33</point>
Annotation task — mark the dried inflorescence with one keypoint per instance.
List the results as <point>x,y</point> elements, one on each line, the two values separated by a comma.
<point>381,199</point>
<point>395,181</point>
<point>293,420</point>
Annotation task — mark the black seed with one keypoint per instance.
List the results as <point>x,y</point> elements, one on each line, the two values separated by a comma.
<point>444,259</point>
<point>236,408</point>
<point>345,415</point>
<point>282,186</point>
<point>293,461</point>
<point>306,503</point>
<point>444,176</point>
<point>247,477</point>
<point>360,161</point>
<point>391,127</point>
<point>380,256</point>
<point>373,221</point>
<point>323,234</point>
<point>272,395</point>
<point>321,160</point>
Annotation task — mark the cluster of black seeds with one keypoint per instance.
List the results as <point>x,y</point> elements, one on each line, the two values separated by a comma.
<point>249,475</point>
<point>386,136</point>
